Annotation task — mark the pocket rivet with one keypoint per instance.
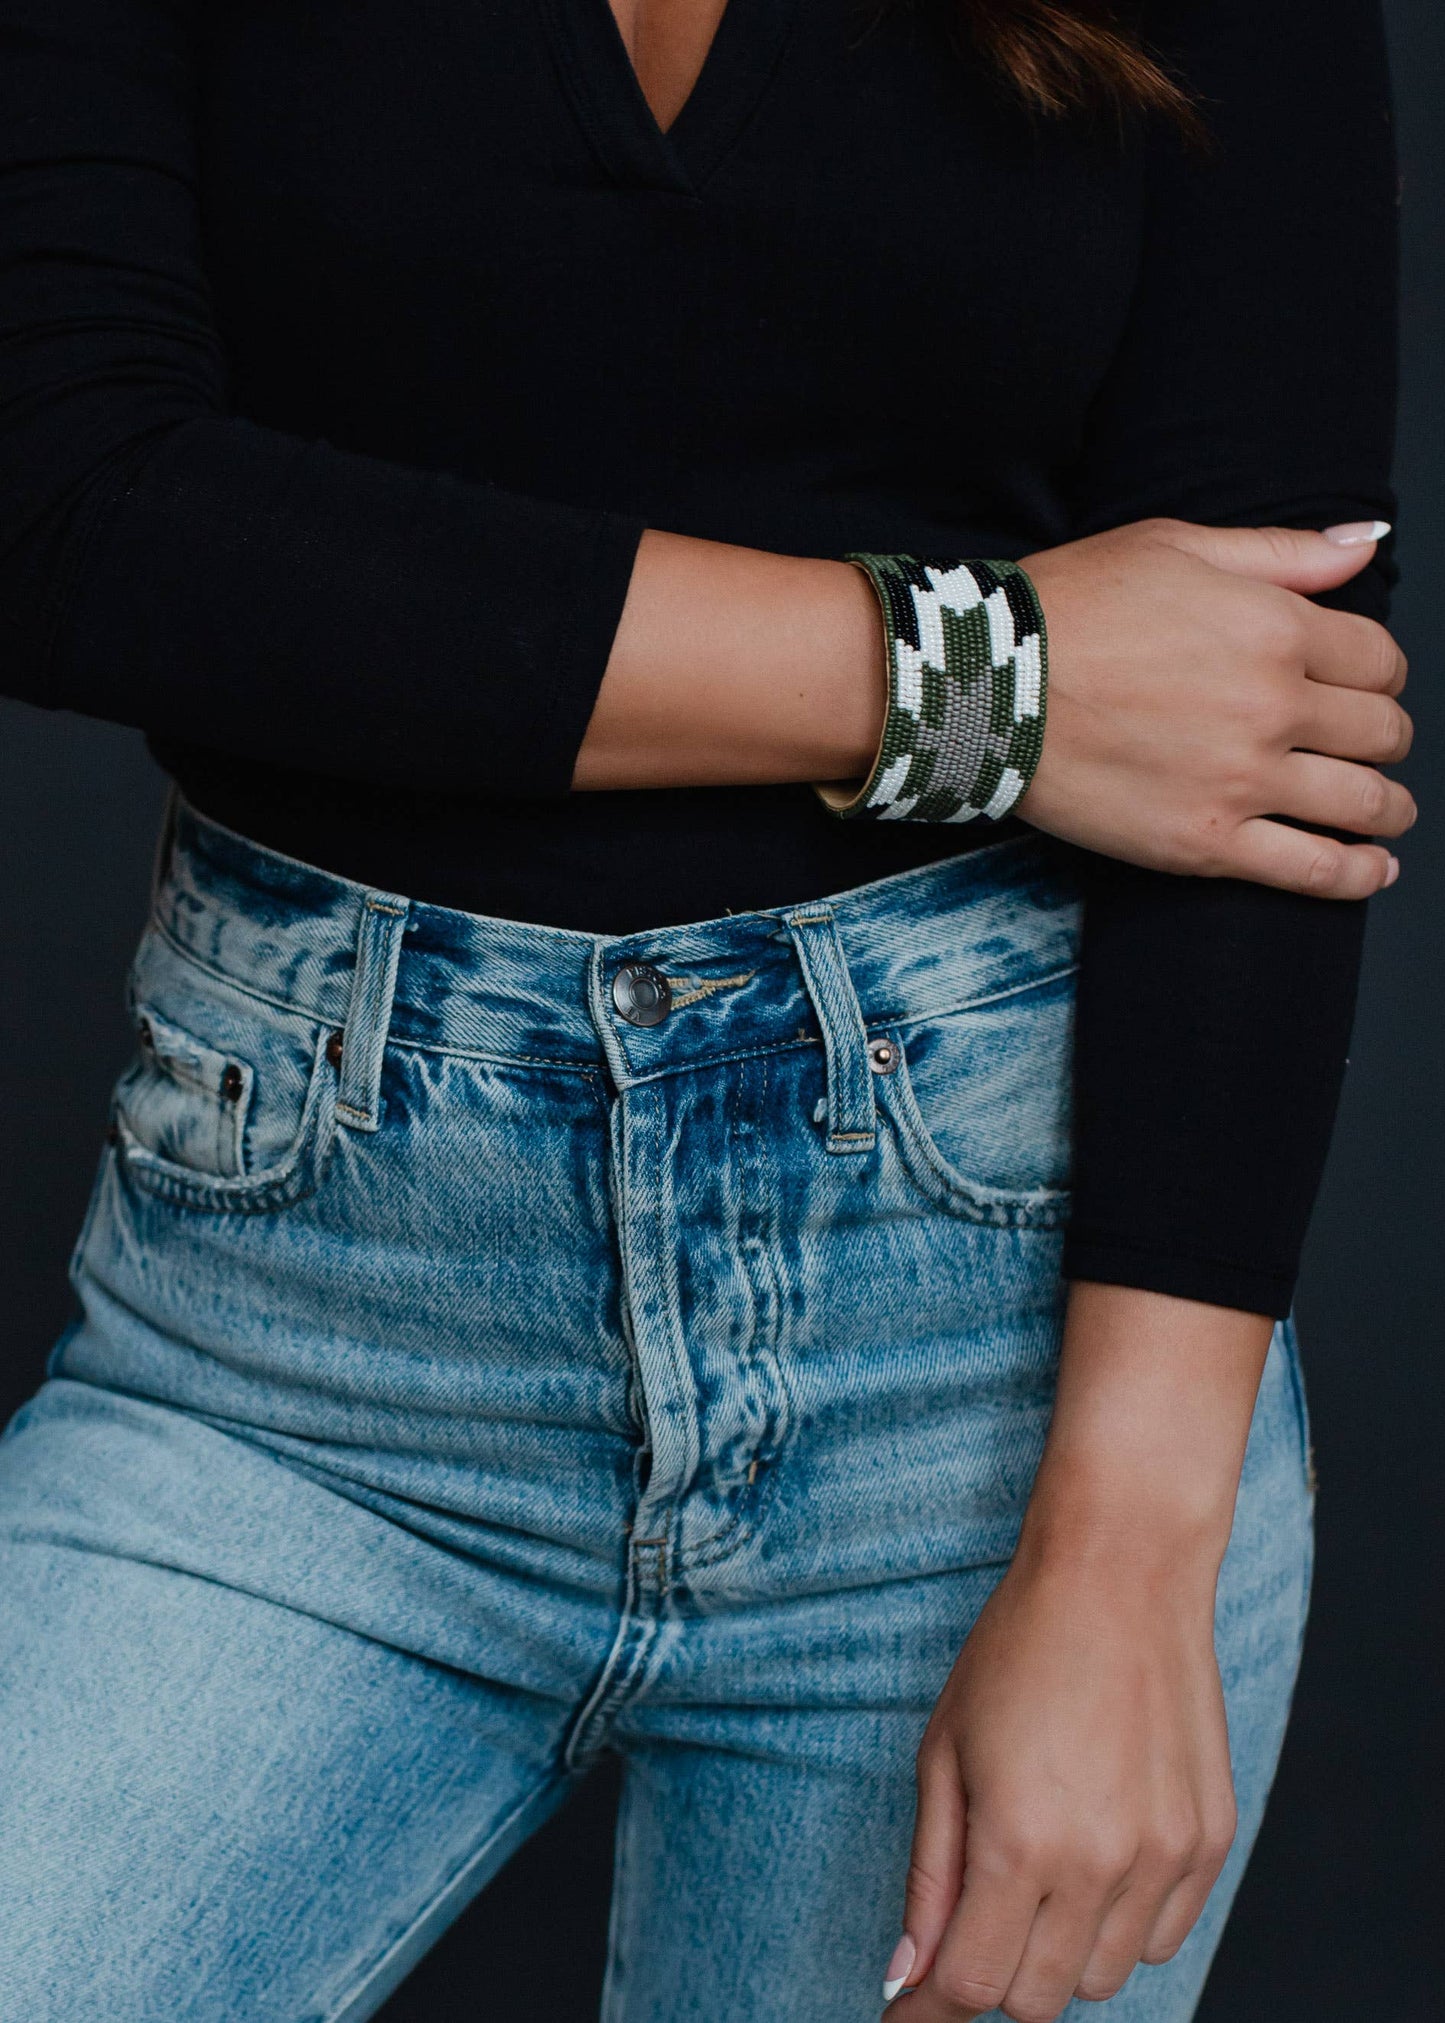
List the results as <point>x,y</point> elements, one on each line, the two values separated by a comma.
<point>333,1049</point>
<point>233,1083</point>
<point>883,1056</point>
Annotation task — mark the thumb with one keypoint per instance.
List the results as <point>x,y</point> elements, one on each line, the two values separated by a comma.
<point>1292,557</point>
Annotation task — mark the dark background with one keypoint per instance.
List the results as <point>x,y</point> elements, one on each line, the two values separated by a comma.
<point>1340,1913</point>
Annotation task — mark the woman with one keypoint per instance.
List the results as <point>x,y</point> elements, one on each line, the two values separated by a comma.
<point>517,1322</point>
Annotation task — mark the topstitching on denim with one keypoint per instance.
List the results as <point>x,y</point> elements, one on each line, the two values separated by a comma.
<point>635,1416</point>
<point>450,982</point>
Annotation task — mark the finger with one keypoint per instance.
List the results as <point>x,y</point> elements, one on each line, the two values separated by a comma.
<point>1057,1952</point>
<point>935,1867</point>
<point>1348,651</point>
<point>1126,1930</point>
<point>1338,795</point>
<point>981,1950</point>
<point>1349,725</point>
<point>1269,853</point>
<point>1178,1915</point>
<point>1294,558</point>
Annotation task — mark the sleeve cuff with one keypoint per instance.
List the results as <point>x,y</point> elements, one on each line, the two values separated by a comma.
<point>1216,1282</point>
<point>608,576</point>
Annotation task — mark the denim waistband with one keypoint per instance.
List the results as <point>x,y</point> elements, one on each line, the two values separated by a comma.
<point>910,947</point>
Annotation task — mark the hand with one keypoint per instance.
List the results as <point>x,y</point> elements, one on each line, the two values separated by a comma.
<point>1075,1803</point>
<point>1074,1796</point>
<point>1194,692</point>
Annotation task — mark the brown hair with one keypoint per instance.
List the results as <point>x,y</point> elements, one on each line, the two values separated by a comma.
<point>1072,56</point>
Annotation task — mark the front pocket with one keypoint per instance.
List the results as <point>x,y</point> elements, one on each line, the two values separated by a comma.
<point>979,1106</point>
<point>185,1101</point>
<point>229,1105</point>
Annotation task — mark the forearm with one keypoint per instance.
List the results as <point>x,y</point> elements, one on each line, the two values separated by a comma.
<point>1144,1453</point>
<point>733,667</point>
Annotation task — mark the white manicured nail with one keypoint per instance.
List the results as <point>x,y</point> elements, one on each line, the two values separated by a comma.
<point>1357,533</point>
<point>896,1979</point>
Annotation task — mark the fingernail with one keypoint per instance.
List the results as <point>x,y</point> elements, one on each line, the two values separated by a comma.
<point>896,1979</point>
<point>1357,533</point>
<point>1393,873</point>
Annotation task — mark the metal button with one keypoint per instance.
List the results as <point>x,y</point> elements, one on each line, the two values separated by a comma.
<point>883,1056</point>
<point>233,1083</point>
<point>641,994</point>
<point>334,1048</point>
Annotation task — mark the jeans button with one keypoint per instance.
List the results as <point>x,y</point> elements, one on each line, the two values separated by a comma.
<point>642,994</point>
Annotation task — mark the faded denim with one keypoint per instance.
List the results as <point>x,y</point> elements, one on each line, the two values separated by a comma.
<point>471,1381</point>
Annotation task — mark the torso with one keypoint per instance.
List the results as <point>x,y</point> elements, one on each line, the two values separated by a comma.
<point>458,238</point>
<point>667,42</point>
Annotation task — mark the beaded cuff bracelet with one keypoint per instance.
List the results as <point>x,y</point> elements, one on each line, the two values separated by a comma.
<point>967,686</point>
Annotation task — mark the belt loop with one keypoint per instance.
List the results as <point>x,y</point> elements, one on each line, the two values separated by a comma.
<point>852,1118</point>
<point>368,1018</point>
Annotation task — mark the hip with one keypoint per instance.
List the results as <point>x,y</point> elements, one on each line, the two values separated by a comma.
<point>437,1206</point>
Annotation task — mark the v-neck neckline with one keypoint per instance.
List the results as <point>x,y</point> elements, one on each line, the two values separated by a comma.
<point>612,107</point>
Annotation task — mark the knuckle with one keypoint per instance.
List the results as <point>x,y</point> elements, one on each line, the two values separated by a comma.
<point>1216,1841</point>
<point>1103,1864</point>
<point>922,1885</point>
<point>1374,793</point>
<point>1030,2009</point>
<point>1386,728</point>
<point>1213,1853</point>
<point>1384,666</point>
<point>1225,1825</point>
<point>1324,870</point>
<point>1100,1987</point>
<point>1032,1852</point>
<point>970,1991</point>
<point>1283,544</point>
<point>1174,1847</point>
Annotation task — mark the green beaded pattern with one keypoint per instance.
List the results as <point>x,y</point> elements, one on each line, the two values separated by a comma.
<point>967,688</point>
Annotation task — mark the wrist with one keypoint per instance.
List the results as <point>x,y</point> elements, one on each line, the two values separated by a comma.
<point>1144,1452</point>
<point>1125,1524</point>
<point>966,665</point>
<point>851,714</point>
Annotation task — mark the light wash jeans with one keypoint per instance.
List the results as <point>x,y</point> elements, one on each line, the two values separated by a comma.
<point>472,1380</point>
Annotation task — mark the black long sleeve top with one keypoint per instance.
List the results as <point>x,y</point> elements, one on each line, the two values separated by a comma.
<point>347,346</point>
